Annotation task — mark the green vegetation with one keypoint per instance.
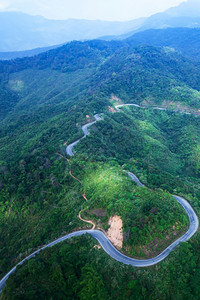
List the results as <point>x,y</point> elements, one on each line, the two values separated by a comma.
<point>159,141</point>
<point>148,216</point>
<point>46,100</point>
<point>185,40</point>
<point>75,270</point>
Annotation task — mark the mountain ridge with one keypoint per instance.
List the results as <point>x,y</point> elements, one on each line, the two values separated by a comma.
<point>36,31</point>
<point>184,40</point>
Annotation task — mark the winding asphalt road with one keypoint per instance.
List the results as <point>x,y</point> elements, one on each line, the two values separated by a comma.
<point>85,131</point>
<point>103,240</point>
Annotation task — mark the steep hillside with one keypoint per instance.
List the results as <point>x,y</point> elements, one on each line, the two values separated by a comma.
<point>67,58</point>
<point>150,74</point>
<point>139,74</point>
<point>81,77</point>
<point>184,40</point>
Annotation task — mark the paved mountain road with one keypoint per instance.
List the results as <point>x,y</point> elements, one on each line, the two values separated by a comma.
<point>103,240</point>
<point>85,131</point>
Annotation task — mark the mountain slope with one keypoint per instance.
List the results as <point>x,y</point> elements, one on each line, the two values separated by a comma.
<point>140,73</point>
<point>184,40</point>
<point>145,74</point>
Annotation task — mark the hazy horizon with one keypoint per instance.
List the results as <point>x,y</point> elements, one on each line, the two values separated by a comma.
<point>106,10</point>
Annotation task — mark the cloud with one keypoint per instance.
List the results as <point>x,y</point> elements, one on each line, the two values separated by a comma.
<point>89,9</point>
<point>4,5</point>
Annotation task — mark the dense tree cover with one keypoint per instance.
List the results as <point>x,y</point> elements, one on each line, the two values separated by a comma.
<point>98,68</point>
<point>151,74</point>
<point>39,202</point>
<point>8,100</point>
<point>114,183</point>
<point>164,140</point>
<point>70,57</point>
<point>148,216</point>
<point>52,98</point>
<point>185,40</point>
<point>76,270</point>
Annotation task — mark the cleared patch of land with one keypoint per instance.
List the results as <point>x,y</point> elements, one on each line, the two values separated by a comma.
<point>114,233</point>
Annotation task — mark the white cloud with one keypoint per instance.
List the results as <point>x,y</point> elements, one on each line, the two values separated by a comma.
<point>4,5</point>
<point>90,9</point>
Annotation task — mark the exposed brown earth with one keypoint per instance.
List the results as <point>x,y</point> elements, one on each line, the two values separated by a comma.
<point>97,247</point>
<point>111,109</point>
<point>114,233</point>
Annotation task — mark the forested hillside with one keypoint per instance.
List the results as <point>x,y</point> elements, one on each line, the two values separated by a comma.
<point>44,101</point>
<point>184,40</point>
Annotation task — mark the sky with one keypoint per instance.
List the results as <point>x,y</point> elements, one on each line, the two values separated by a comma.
<point>112,10</point>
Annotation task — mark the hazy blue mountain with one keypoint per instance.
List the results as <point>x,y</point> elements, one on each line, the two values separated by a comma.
<point>187,14</point>
<point>189,8</point>
<point>25,53</point>
<point>19,31</point>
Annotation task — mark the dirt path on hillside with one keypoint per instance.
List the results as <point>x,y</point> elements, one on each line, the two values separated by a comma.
<point>83,195</point>
<point>87,221</point>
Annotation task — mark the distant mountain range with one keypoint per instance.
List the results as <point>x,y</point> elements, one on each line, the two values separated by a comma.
<point>184,40</point>
<point>187,14</point>
<point>20,32</point>
<point>26,53</point>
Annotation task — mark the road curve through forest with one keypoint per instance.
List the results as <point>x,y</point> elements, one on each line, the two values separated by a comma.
<point>85,132</point>
<point>101,237</point>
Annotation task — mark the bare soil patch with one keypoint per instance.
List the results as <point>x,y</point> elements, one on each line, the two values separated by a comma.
<point>114,233</point>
